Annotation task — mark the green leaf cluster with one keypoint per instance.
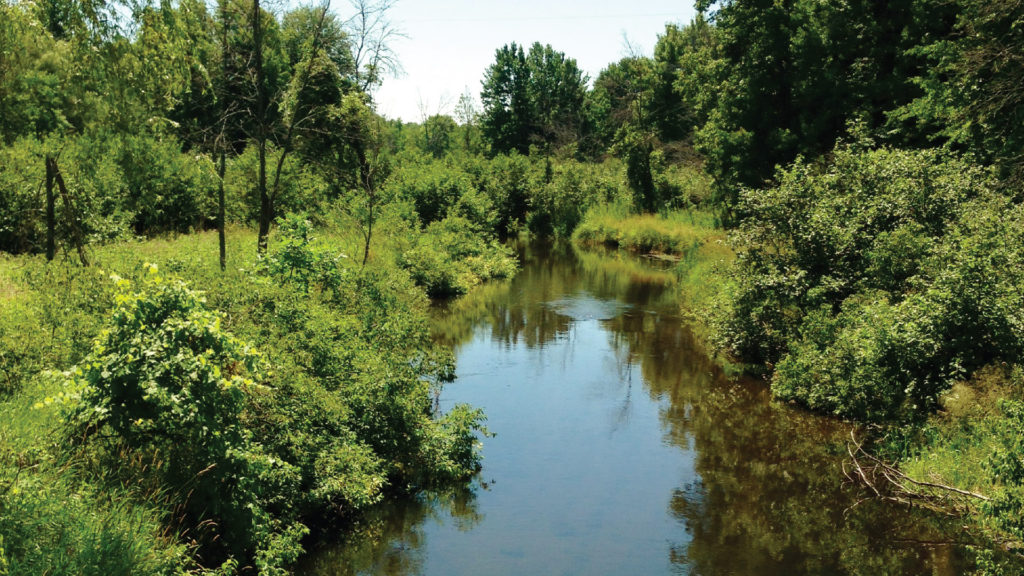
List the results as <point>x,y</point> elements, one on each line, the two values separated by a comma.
<point>873,281</point>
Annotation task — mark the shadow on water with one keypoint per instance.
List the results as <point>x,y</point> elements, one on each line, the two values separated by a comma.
<point>622,449</point>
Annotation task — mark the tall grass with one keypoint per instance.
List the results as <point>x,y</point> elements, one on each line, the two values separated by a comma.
<point>675,233</point>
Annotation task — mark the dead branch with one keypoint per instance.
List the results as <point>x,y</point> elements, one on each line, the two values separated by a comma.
<point>888,482</point>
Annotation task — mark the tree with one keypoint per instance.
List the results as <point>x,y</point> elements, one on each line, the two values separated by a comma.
<point>621,95</point>
<point>789,76</point>
<point>468,117</point>
<point>974,88</point>
<point>507,114</point>
<point>557,87</point>
<point>372,35</point>
<point>533,98</point>
<point>670,113</point>
<point>438,131</point>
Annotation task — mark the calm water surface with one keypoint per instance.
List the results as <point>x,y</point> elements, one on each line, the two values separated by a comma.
<point>621,449</point>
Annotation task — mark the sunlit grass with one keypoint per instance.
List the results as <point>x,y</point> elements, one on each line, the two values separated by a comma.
<point>958,441</point>
<point>676,233</point>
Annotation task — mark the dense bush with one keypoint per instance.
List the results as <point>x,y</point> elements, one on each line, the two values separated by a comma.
<point>452,255</point>
<point>168,190</point>
<point>435,188</point>
<point>301,188</point>
<point>243,449</point>
<point>509,181</point>
<point>874,281</point>
<point>164,379</point>
<point>558,206</point>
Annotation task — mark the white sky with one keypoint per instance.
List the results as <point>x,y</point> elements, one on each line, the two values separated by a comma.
<point>450,43</point>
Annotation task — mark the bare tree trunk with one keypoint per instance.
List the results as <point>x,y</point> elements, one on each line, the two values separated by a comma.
<point>221,213</point>
<point>51,218</point>
<point>366,176</point>
<point>266,204</point>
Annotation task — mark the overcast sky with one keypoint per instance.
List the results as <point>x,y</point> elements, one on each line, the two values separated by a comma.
<point>450,43</point>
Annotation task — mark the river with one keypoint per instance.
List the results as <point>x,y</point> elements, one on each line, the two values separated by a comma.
<point>620,448</point>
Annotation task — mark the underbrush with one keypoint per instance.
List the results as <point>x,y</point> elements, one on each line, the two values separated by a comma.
<point>967,459</point>
<point>163,417</point>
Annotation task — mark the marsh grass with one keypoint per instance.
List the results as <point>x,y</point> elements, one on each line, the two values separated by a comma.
<point>677,233</point>
<point>956,445</point>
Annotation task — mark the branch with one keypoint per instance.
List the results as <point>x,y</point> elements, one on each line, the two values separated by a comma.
<point>890,483</point>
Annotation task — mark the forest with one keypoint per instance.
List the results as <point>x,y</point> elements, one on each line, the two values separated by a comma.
<point>217,260</point>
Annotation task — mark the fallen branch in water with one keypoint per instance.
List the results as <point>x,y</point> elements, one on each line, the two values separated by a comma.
<point>890,483</point>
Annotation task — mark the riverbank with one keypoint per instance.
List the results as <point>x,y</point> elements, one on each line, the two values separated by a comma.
<point>319,371</point>
<point>622,448</point>
<point>676,233</point>
<point>961,458</point>
<point>692,238</point>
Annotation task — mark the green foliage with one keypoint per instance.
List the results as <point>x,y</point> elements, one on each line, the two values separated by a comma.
<point>558,206</point>
<point>356,364</point>
<point>437,189</point>
<point>509,181</point>
<point>22,209</point>
<point>531,98</point>
<point>450,258</point>
<point>875,281</point>
<point>438,133</point>
<point>170,191</point>
<point>51,525</point>
<point>783,79</point>
<point>164,378</point>
<point>338,412</point>
<point>971,90</point>
<point>302,189</point>
<point>636,149</point>
<point>1006,467</point>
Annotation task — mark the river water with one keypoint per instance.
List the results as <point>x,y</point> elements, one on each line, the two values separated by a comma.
<point>621,449</point>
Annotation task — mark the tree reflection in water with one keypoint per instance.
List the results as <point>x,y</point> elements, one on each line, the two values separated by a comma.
<point>760,491</point>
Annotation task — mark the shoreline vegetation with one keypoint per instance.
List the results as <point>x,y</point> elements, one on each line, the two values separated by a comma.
<point>216,257</point>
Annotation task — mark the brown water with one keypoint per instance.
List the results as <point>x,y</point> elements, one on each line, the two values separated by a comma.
<point>621,449</point>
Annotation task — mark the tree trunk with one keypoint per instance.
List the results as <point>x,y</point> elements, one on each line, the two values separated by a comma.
<point>72,215</point>
<point>51,218</point>
<point>366,175</point>
<point>221,214</point>
<point>266,205</point>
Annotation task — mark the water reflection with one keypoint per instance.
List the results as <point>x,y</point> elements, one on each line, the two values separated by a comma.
<point>621,449</point>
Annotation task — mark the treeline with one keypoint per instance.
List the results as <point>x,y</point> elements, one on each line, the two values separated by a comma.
<point>121,121</point>
<point>144,118</point>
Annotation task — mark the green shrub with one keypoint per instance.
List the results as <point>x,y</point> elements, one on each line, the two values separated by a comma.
<point>874,282</point>
<point>508,181</point>
<point>301,188</point>
<point>167,190</point>
<point>22,208</point>
<point>452,256</point>
<point>557,207</point>
<point>435,188</point>
<point>164,378</point>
